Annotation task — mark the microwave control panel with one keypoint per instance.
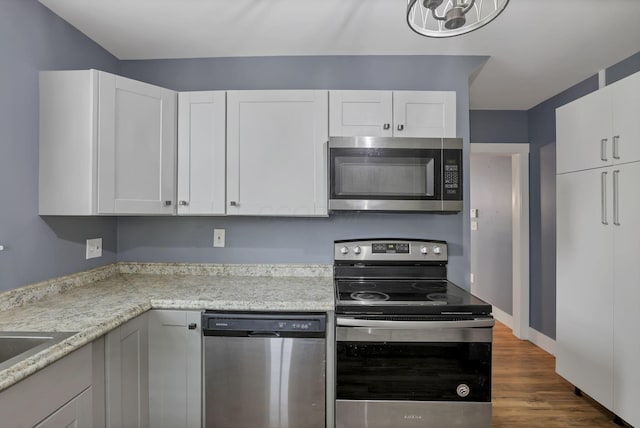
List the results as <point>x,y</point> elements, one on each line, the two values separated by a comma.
<point>452,175</point>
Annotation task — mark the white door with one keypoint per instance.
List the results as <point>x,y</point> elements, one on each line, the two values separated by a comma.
<point>276,153</point>
<point>626,111</point>
<point>137,147</point>
<point>583,132</point>
<point>626,273</point>
<point>491,231</point>
<point>201,153</point>
<point>584,332</point>
<point>360,113</point>
<point>424,113</point>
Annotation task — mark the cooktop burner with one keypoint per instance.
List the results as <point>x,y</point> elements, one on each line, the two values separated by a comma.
<point>369,296</point>
<point>360,285</point>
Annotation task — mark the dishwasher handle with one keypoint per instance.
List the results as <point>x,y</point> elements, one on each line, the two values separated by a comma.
<point>263,334</point>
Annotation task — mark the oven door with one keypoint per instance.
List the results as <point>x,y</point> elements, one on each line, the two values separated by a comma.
<point>413,373</point>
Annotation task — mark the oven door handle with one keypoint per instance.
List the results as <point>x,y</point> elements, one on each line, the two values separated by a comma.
<point>415,325</point>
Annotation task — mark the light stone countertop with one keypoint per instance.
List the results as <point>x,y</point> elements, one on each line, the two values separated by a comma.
<point>101,304</point>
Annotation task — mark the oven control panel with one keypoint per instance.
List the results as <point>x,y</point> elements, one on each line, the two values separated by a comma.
<point>390,250</point>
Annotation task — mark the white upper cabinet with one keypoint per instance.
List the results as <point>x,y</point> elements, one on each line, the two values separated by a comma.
<point>201,153</point>
<point>626,120</point>
<point>601,128</point>
<point>355,113</point>
<point>392,114</point>
<point>424,114</point>
<point>276,153</point>
<point>107,145</point>
<point>584,129</point>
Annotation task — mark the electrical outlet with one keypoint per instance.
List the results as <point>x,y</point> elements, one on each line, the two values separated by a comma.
<point>218,237</point>
<point>94,248</point>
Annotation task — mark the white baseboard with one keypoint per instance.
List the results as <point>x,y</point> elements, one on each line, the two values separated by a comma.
<point>541,341</point>
<point>503,317</point>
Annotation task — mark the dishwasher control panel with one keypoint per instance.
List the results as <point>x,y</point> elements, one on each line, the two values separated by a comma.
<point>262,324</point>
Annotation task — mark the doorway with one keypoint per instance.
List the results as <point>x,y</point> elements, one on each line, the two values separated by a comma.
<point>499,177</point>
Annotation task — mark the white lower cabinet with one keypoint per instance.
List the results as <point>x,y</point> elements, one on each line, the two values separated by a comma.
<point>598,242</point>
<point>626,295</point>
<point>58,396</point>
<point>127,375</point>
<point>584,332</point>
<point>75,414</point>
<point>175,369</point>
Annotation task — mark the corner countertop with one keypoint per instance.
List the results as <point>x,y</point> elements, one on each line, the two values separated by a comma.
<point>96,303</point>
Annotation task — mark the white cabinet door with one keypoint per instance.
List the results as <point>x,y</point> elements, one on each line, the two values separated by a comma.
<point>107,145</point>
<point>584,332</point>
<point>583,133</point>
<point>34,399</point>
<point>360,113</point>
<point>175,369</point>
<point>397,113</point>
<point>75,414</point>
<point>626,274</point>
<point>201,153</point>
<point>127,375</point>
<point>137,147</point>
<point>276,153</point>
<point>626,112</point>
<point>424,113</point>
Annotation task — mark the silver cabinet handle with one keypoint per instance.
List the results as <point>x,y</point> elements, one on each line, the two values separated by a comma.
<point>603,197</point>
<point>386,126</point>
<point>616,197</point>
<point>603,150</point>
<point>183,203</point>
<point>167,203</point>
<point>400,127</point>
<point>616,147</point>
<point>233,203</point>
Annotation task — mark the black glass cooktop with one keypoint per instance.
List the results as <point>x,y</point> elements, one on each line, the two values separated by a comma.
<point>393,296</point>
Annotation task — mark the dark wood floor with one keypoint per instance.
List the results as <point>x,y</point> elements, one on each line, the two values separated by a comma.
<point>528,393</point>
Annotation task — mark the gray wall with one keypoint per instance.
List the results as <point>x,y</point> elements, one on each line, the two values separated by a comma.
<point>272,240</point>
<point>32,39</point>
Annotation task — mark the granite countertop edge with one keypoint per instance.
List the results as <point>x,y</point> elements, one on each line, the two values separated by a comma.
<point>127,274</point>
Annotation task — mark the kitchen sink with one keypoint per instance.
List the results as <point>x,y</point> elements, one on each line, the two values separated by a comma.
<point>16,346</point>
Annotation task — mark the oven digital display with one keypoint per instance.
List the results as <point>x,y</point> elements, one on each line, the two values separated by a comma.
<point>390,248</point>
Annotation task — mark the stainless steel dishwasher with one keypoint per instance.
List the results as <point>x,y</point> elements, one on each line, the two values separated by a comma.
<point>264,370</point>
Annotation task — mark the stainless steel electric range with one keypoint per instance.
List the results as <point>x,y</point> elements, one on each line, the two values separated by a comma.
<point>413,349</point>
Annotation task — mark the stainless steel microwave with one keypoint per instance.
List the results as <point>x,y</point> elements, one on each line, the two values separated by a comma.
<point>395,174</point>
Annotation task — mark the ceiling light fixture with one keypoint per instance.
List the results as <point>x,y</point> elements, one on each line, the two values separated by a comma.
<point>448,18</point>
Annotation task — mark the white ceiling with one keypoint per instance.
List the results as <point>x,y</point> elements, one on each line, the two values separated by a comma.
<point>538,48</point>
